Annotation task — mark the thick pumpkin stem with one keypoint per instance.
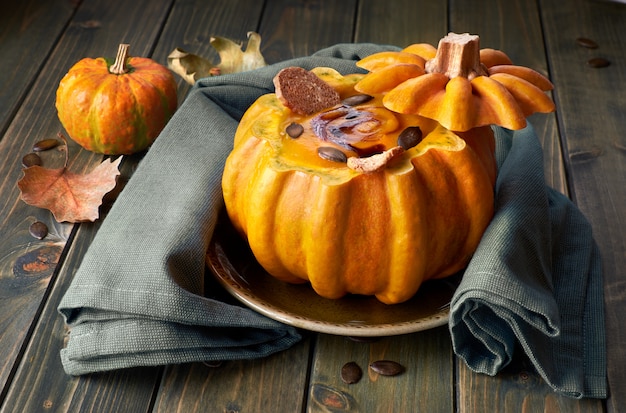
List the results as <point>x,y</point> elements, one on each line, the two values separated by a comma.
<point>457,55</point>
<point>119,66</point>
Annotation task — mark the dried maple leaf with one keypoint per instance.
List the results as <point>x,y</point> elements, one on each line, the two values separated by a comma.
<point>69,196</point>
<point>233,59</point>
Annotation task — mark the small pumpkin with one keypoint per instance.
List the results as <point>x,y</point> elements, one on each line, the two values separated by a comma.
<point>116,107</point>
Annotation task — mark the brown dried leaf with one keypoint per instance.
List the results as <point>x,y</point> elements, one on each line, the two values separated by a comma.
<point>70,197</point>
<point>189,66</point>
<point>233,59</point>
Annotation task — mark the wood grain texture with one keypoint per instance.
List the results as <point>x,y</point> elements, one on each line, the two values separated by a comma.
<point>402,23</point>
<point>28,32</point>
<point>427,385</point>
<point>41,372</point>
<point>27,264</point>
<point>191,24</point>
<point>517,389</point>
<point>271,384</point>
<point>583,145</point>
<point>292,28</point>
<point>501,24</point>
<point>515,28</point>
<point>592,121</point>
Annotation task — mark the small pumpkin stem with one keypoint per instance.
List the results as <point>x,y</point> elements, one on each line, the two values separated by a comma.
<point>119,66</point>
<point>457,55</point>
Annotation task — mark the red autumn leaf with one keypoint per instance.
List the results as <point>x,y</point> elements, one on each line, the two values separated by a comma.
<point>70,197</point>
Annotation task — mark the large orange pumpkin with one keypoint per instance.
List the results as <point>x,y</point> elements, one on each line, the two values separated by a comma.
<point>116,107</point>
<point>358,197</point>
<point>308,218</point>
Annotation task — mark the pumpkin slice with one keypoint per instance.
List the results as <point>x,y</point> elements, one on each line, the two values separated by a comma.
<point>387,77</point>
<point>425,50</point>
<point>492,57</point>
<point>529,98</point>
<point>381,60</point>
<point>525,73</point>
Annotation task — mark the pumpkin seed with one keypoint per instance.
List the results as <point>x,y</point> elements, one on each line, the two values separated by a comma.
<point>387,367</point>
<point>598,62</point>
<point>294,130</point>
<point>588,43</point>
<point>38,230</point>
<point>356,100</point>
<point>331,154</point>
<point>45,145</point>
<point>31,159</point>
<point>410,137</point>
<point>351,373</point>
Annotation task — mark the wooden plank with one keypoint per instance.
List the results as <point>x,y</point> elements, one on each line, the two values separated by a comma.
<point>40,384</point>
<point>420,21</point>
<point>28,32</point>
<point>296,28</point>
<point>271,384</point>
<point>191,24</point>
<point>27,264</point>
<point>516,389</point>
<point>592,122</point>
<point>401,23</point>
<point>514,27</point>
<point>427,385</point>
<point>274,383</point>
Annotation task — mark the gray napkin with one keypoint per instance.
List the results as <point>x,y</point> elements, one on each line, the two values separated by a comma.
<point>535,280</point>
<point>137,297</point>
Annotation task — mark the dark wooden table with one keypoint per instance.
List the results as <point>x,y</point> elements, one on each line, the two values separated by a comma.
<point>584,144</point>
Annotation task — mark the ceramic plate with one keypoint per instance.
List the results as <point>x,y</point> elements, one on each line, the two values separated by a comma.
<point>236,269</point>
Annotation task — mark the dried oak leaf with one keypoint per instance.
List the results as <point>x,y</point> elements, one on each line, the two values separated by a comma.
<point>70,197</point>
<point>233,59</point>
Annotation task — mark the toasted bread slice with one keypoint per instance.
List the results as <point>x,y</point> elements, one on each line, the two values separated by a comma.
<point>303,92</point>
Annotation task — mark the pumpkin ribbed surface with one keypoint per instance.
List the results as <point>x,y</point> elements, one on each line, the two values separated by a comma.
<point>380,233</point>
<point>116,113</point>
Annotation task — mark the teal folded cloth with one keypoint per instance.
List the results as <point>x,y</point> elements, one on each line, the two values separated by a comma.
<point>534,282</point>
<point>138,296</point>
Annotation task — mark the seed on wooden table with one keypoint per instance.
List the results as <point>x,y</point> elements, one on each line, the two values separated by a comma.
<point>331,154</point>
<point>356,100</point>
<point>410,137</point>
<point>38,230</point>
<point>351,373</point>
<point>387,367</point>
<point>598,62</point>
<point>588,43</point>
<point>45,145</point>
<point>31,159</point>
<point>294,130</point>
